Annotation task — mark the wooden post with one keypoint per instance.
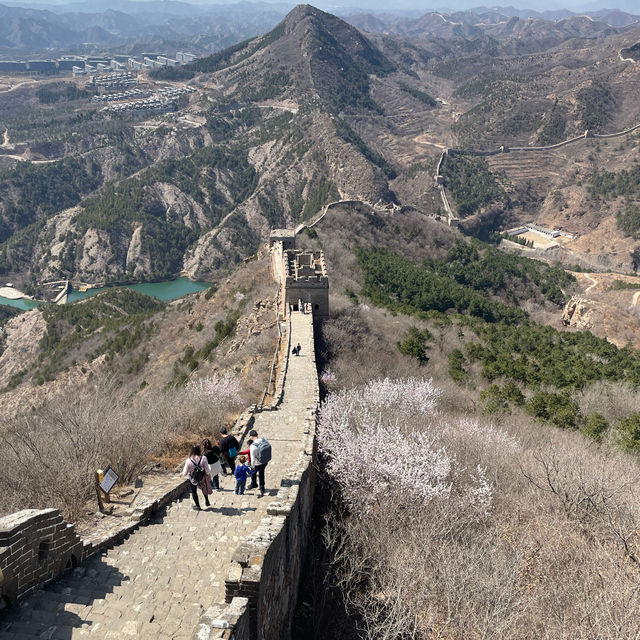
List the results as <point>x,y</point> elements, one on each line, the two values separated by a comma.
<point>99,492</point>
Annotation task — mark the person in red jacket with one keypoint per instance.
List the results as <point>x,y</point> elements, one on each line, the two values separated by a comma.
<point>247,452</point>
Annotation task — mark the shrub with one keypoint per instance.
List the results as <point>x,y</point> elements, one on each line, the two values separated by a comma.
<point>472,184</point>
<point>416,545</point>
<point>100,427</point>
<point>557,408</point>
<point>595,426</point>
<point>628,433</point>
<point>376,415</point>
<point>415,344</point>
<point>595,105</point>
<point>456,368</point>
<point>497,399</point>
<point>419,95</point>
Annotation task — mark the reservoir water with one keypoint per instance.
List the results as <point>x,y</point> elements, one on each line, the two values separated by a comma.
<point>169,290</point>
<point>21,303</point>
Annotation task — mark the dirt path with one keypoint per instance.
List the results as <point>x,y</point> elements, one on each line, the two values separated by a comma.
<point>424,138</point>
<point>20,84</point>
<point>23,159</point>
<point>595,282</point>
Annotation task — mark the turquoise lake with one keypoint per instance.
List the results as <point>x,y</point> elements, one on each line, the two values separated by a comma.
<point>170,290</point>
<point>20,304</point>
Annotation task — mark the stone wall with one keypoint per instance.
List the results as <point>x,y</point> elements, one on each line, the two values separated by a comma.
<point>262,582</point>
<point>266,568</point>
<point>36,545</point>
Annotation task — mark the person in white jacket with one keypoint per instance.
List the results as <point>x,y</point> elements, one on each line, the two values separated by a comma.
<point>256,464</point>
<point>197,461</point>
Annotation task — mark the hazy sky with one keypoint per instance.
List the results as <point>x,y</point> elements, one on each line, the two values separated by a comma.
<point>632,6</point>
<point>421,7</point>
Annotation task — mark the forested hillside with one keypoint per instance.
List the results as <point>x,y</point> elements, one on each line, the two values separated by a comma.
<point>519,421</point>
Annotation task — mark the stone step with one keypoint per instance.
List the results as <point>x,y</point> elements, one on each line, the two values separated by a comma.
<point>30,628</point>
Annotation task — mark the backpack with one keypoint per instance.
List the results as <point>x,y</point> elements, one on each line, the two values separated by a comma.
<point>197,475</point>
<point>263,450</point>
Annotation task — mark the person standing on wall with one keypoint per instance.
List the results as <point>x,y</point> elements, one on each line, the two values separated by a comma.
<point>196,467</point>
<point>260,456</point>
<point>212,454</point>
<point>229,447</point>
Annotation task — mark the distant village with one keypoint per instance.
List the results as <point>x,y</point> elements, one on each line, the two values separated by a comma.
<point>91,65</point>
<point>113,79</point>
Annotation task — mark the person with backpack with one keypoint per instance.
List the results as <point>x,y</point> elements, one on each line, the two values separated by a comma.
<point>229,447</point>
<point>212,454</point>
<point>260,457</point>
<point>197,469</point>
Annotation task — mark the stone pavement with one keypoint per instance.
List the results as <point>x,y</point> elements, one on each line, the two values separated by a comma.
<point>156,584</point>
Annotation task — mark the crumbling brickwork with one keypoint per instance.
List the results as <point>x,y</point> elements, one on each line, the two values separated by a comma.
<point>36,545</point>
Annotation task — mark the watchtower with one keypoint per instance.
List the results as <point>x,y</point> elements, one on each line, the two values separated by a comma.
<point>305,284</point>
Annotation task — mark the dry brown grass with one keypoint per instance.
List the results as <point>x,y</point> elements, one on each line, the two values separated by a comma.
<point>48,457</point>
<point>557,556</point>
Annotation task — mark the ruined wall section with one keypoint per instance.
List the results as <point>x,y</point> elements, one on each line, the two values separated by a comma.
<point>36,545</point>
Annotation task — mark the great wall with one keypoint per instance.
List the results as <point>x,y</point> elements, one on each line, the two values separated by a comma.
<point>440,183</point>
<point>230,571</point>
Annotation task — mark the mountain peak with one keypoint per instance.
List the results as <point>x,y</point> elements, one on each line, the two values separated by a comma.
<point>315,53</point>
<point>301,11</point>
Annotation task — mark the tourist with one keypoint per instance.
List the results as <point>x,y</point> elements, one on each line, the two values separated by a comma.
<point>197,469</point>
<point>229,447</point>
<point>241,472</point>
<point>212,454</point>
<point>298,347</point>
<point>260,457</point>
<point>247,452</point>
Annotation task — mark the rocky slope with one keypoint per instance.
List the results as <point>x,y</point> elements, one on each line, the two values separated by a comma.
<point>268,154</point>
<point>232,330</point>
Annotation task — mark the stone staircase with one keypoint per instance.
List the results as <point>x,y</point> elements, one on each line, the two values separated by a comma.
<point>158,582</point>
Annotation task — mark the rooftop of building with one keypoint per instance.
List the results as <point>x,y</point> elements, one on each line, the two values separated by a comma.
<point>304,265</point>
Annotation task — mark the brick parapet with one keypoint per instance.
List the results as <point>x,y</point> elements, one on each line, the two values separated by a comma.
<point>22,533</point>
<point>36,545</point>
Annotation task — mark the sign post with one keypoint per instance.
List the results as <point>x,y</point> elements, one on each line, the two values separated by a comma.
<point>105,481</point>
<point>98,492</point>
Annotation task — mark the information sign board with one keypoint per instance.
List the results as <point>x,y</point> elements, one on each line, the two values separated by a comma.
<point>109,479</point>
